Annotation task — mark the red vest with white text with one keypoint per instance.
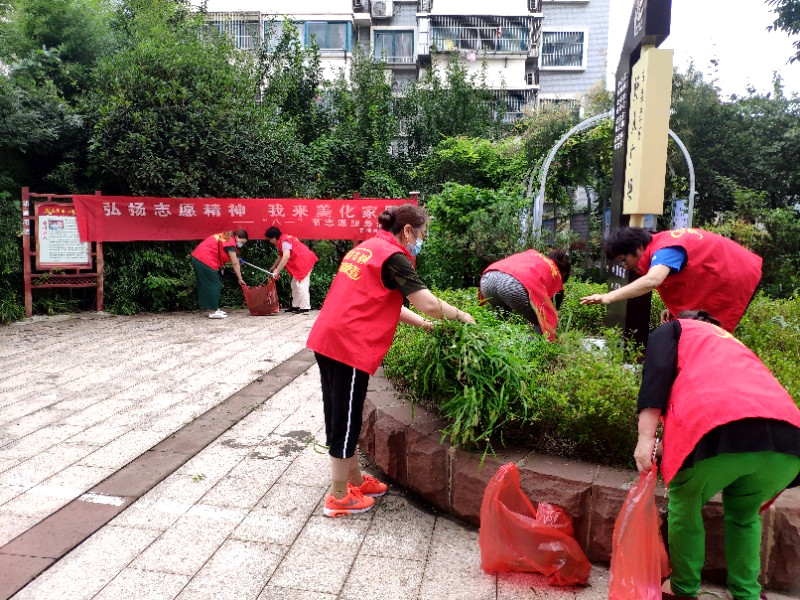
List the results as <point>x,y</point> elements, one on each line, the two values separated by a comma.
<point>214,251</point>
<point>719,380</point>
<point>359,317</point>
<point>541,278</point>
<point>301,257</point>
<point>720,276</point>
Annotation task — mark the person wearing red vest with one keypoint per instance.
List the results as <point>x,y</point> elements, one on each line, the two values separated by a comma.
<point>690,268</point>
<point>299,260</point>
<point>208,258</point>
<point>353,332</point>
<point>530,284</point>
<point>728,426</point>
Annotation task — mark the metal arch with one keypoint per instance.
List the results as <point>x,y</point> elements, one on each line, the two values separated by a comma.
<point>538,208</point>
<point>690,165</point>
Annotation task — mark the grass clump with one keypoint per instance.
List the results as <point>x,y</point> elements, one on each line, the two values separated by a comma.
<point>499,383</point>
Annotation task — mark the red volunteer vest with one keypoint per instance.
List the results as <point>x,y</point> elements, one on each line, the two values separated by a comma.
<point>541,279</point>
<point>720,276</point>
<point>213,251</point>
<point>359,316</point>
<point>301,257</point>
<point>719,380</point>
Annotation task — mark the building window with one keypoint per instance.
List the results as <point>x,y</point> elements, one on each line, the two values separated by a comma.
<point>328,35</point>
<point>243,33</point>
<point>395,47</point>
<point>564,49</point>
<point>273,31</point>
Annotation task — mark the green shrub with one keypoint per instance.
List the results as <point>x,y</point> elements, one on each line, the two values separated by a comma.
<point>497,382</point>
<point>500,382</point>
<point>771,329</point>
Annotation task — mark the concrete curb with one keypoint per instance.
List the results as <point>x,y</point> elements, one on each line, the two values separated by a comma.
<point>406,443</point>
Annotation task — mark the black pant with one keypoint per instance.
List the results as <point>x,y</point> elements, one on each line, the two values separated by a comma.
<point>343,391</point>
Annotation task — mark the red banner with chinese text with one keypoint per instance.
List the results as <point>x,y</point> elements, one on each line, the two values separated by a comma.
<point>138,218</point>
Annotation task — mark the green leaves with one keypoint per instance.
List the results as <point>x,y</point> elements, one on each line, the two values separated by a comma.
<point>499,381</point>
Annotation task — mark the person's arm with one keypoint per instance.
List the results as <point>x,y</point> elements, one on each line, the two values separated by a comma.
<point>648,425</point>
<point>282,263</point>
<point>409,317</point>
<point>658,374</point>
<point>648,282</point>
<point>434,307</point>
<point>235,264</point>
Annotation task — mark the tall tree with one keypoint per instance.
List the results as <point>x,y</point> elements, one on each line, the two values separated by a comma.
<point>175,113</point>
<point>788,20</point>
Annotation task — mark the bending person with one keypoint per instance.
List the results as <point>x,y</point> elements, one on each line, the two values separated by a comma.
<point>729,427</point>
<point>353,332</point>
<point>208,258</point>
<point>531,285</point>
<point>690,268</point>
<point>299,260</point>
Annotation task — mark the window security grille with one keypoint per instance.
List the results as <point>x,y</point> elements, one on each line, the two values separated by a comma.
<point>562,49</point>
<point>499,35</point>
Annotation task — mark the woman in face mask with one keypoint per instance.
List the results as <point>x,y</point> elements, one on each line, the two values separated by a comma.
<point>529,284</point>
<point>353,332</point>
<point>208,258</point>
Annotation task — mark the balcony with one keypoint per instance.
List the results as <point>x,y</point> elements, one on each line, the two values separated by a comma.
<point>361,14</point>
<point>478,34</point>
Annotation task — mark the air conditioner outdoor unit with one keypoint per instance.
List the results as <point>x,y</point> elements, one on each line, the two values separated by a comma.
<point>382,8</point>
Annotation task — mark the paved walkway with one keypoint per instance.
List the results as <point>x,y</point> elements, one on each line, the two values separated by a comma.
<point>86,398</point>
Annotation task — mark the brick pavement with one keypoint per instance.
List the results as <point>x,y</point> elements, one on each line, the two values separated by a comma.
<point>84,396</point>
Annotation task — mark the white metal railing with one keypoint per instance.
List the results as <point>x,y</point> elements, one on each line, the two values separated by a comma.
<point>244,28</point>
<point>483,34</point>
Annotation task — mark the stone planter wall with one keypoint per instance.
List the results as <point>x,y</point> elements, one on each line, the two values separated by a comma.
<point>405,444</point>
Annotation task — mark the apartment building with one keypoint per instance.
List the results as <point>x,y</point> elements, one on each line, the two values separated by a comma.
<point>534,50</point>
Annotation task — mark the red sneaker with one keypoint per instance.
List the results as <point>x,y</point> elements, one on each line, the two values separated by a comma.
<point>353,502</point>
<point>371,487</point>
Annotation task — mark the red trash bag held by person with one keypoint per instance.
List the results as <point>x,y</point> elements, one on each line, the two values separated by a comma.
<point>638,558</point>
<point>262,299</point>
<point>516,537</point>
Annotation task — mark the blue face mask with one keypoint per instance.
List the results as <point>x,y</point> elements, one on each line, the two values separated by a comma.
<point>415,249</point>
<point>239,244</point>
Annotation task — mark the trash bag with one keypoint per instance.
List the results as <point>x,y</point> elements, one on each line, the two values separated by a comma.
<point>516,537</point>
<point>262,299</point>
<point>638,558</point>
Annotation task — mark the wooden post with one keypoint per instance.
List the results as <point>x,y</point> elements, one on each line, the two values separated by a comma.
<point>26,250</point>
<point>98,246</point>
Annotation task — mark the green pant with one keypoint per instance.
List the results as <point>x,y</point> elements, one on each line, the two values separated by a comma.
<point>209,286</point>
<point>747,480</point>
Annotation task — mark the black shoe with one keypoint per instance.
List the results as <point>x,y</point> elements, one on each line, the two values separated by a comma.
<point>301,311</point>
<point>291,309</point>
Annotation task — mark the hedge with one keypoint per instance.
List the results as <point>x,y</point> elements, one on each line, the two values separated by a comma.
<point>498,383</point>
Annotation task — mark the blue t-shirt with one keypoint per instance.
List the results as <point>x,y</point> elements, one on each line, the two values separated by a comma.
<point>672,256</point>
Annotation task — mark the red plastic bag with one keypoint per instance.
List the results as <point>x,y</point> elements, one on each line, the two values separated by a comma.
<point>638,558</point>
<point>515,537</point>
<point>262,299</point>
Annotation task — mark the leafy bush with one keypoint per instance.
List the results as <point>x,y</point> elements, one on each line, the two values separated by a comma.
<point>469,229</point>
<point>497,382</point>
<point>771,329</point>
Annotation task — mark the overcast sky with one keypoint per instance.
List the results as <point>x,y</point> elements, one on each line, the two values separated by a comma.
<point>731,31</point>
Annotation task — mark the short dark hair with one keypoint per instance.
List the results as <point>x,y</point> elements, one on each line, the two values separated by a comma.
<point>273,233</point>
<point>394,218</point>
<point>698,315</point>
<point>626,240</point>
<point>241,233</point>
<point>562,262</point>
